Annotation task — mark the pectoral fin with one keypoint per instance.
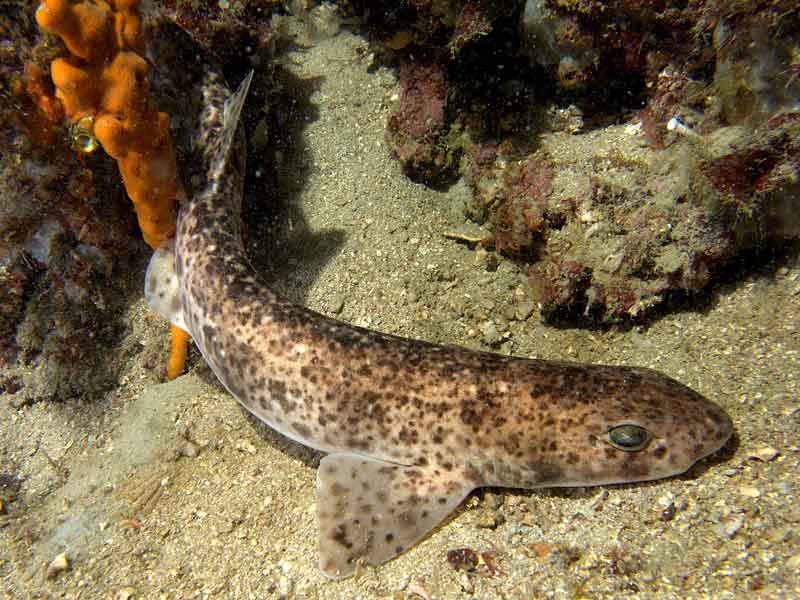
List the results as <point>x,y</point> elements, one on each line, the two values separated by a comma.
<point>374,510</point>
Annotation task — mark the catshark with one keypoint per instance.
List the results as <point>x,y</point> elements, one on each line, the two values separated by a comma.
<point>409,428</point>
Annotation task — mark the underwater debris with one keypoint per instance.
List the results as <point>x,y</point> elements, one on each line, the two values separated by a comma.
<point>81,135</point>
<point>463,559</point>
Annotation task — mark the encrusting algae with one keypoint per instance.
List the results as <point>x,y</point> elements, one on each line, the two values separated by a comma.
<point>104,82</point>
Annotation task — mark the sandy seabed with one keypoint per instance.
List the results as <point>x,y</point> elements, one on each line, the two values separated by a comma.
<point>171,490</point>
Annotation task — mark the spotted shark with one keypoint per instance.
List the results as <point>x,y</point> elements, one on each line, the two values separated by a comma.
<point>408,428</point>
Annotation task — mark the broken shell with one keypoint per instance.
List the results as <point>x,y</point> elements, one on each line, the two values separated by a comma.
<point>125,593</point>
<point>58,565</point>
<point>764,454</point>
<point>750,491</point>
<point>466,237</point>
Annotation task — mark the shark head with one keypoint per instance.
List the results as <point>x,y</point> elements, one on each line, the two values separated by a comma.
<point>638,425</point>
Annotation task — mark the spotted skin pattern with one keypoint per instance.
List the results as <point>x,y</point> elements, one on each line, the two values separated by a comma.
<point>410,428</point>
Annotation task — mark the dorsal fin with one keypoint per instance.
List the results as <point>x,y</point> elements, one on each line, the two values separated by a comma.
<point>230,118</point>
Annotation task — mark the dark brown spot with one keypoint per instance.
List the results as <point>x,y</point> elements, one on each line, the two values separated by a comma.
<point>337,489</point>
<point>340,536</point>
<point>302,429</point>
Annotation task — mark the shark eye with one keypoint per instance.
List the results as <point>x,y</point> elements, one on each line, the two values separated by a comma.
<point>629,438</point>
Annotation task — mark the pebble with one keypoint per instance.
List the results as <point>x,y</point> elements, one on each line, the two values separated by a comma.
<point>668,513</point>
<point>188,449</point>
<point>20,401</point>
<point>58,565</point>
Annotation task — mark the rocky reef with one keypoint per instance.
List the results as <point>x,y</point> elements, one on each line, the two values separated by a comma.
<point>705,172</point>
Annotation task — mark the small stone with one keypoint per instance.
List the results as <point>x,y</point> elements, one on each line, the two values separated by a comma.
<point>668,513</point>
<point>490,333</point>
<point>188,449</point>
<point>466,583</point>
<point>509,313</point>
<point>58,565</point>
<point>20,401</point>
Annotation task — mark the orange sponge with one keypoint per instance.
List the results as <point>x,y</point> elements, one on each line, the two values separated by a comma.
<point>106,78</point>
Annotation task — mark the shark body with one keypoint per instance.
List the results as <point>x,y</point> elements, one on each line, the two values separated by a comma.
<point>410,428</point>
